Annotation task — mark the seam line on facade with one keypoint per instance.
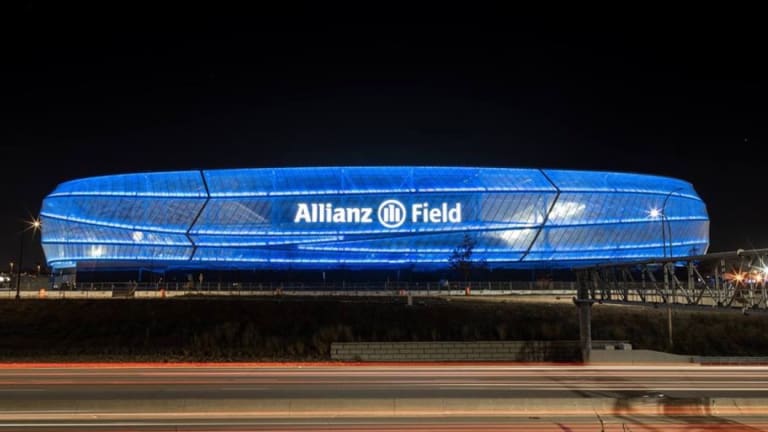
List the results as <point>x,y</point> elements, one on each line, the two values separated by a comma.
<point>110,225</point>
<point>197,216</point>
<point>546,216</point>
<point>224,195</point>
<point>399,234</point>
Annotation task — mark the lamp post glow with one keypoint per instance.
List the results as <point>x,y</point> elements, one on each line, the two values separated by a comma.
<point>665,219</point>
<point>662,213</point>
<point>34,226</point>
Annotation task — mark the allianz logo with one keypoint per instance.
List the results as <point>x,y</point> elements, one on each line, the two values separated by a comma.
<point>390,213</point>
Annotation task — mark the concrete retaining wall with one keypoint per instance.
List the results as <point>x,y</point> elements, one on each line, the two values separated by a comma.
<point>529,351</point>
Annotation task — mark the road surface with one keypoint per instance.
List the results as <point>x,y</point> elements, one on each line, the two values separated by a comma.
<point>325,397</point>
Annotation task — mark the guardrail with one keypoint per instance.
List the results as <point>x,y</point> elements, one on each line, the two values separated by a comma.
<point>103,294</point>
<point>163,290</point>
<point>43,288</point>
<point>309,286</point>
<point>726,280</point>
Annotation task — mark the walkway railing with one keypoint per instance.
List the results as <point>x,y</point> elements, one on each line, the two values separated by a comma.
<point>173,288</point>
<point>329,286</point>
<point>724,280</point>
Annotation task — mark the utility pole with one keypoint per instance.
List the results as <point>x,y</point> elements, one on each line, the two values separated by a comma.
<point>668,266</point>
<point>18,270</point>
<point>34,225</point>
<point>584,305</point>
<point>670,299</point>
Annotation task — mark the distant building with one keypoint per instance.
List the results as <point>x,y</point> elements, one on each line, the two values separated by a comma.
<point>369,217</point>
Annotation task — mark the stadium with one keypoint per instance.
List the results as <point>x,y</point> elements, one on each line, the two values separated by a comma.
<point>369,218</point>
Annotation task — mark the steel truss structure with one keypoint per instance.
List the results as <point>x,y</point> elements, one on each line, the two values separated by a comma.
<point>727,280</point>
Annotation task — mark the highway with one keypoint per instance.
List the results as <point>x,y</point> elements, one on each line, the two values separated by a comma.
<point>324,397</point>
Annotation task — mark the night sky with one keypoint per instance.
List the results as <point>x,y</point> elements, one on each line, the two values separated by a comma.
<point>103,91</point>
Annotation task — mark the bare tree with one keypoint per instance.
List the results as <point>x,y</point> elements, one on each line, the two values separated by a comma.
<point>461,260</point>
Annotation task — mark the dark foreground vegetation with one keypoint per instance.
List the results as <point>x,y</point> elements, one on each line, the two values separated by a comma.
<point>290,328</point>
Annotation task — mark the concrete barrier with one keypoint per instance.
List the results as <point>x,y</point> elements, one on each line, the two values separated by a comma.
<point>381,407</point>
<point>637,357</point>
<point>730,360</point>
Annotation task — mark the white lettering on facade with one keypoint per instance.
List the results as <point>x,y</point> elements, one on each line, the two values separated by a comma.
<point>423,213</point>
<point>326,213</point>
<point>391,213</point>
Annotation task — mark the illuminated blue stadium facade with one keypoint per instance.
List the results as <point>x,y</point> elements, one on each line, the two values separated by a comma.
<point>369,217</point>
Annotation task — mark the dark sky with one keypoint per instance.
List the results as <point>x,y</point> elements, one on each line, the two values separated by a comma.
<point>100,91</point>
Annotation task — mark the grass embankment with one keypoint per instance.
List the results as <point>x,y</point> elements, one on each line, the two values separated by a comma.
<point>303,329</point>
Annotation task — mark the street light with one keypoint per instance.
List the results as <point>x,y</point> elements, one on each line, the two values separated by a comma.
<point>33,225</point>
<point>662,213</point>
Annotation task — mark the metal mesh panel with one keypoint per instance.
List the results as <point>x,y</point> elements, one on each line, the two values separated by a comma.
<point>178,184</point>
<point>100,252</point>
<point>156,214</point>
<point>575,181</point>
<point>62,231</point>
<point>415,216</point>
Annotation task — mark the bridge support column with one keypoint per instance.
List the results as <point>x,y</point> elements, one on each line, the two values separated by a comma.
<point>584,302</point>
<point>585,327</point>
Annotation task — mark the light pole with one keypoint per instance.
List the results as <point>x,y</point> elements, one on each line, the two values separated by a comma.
<point>662,214</point>
<point>34,225</point>
<point>665,219</point>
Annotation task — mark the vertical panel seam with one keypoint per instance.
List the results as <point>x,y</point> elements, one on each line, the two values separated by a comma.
<point>546,216</point>
<point>197,216</point>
